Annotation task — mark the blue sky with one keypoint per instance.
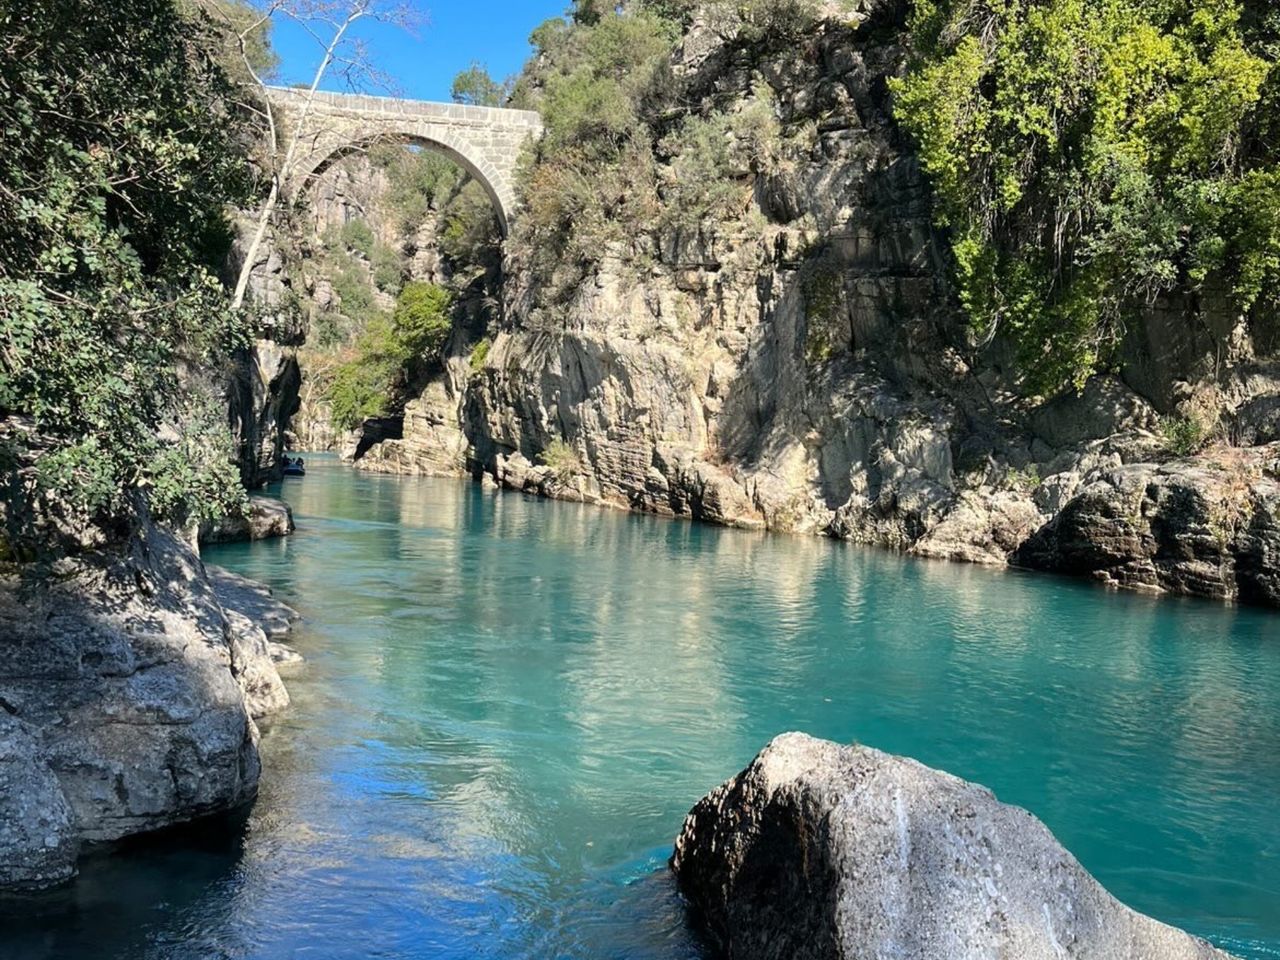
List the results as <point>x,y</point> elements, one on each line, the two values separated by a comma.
<point>422,64</point>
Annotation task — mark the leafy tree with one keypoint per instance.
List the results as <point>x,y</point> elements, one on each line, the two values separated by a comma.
<point>376,377</point>
<point>238,22</point>
<point>357,236</point>
<point>476,88</point>
<point>1089,156</point>
<point>121,157</point>
<point>421,322</point>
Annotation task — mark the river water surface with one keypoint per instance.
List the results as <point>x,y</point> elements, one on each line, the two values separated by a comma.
<point>510,704</point>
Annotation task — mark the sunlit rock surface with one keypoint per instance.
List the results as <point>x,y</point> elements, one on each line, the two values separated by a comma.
<point>264,517</point>
<point>818,851</point>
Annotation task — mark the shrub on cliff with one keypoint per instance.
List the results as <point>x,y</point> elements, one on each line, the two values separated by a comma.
<point>1089,157</point>
<point>122,153</point>
<point>387,354</point>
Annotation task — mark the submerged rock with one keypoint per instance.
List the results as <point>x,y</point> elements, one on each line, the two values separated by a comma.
<point>127,697</point>
<point>264,517</point>
<point>820,851</point>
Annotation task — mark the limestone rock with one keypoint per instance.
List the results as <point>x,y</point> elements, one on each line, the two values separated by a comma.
<point>262,395</point>
<point>264,517</point>
<point>1102,409</point>
<point>256,601</point>
<point>1207,526</point>
<point>818,851</point>
<point>38,840</point>
<point>126,694</point>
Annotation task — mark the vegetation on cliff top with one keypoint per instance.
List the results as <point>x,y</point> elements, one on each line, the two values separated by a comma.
<point>1092,156</point>
<point>122,154</point>
<point>626,154</point>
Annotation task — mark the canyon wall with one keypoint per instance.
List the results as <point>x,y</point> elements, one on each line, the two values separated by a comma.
<point>804,367</point>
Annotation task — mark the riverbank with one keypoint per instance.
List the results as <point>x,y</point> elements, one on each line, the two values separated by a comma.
<point>130,683</point>
<point>510,704</point>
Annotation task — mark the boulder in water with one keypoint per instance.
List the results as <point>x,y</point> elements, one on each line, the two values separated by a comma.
<point>263,518</point>
<point>819,851</point>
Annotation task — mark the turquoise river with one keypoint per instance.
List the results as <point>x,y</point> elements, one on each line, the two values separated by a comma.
<point>509,704</point>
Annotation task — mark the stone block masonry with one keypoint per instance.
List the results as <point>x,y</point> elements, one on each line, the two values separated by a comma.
<point>484,141</point>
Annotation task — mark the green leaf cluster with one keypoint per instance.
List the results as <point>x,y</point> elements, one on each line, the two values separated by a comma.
<point>1091,156</point>
<point>121,155</point>
<point>369,383</point>
<point>475,87</point>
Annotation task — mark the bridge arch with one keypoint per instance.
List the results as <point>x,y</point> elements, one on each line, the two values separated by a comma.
<point>484,141</point>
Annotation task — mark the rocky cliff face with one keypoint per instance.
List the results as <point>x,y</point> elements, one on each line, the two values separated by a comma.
<point>129,685</point>
<point>805,369</point>
<point>818,851</point>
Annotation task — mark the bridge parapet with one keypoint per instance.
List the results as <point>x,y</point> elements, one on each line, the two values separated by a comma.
<point>484,141</point>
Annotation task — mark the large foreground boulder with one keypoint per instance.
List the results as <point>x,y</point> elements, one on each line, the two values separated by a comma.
<point>824,852</point>
<point>127,698</point>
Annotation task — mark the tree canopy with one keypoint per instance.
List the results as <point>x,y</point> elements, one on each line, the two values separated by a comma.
<point>121,158</point>
<point>1091,156</point>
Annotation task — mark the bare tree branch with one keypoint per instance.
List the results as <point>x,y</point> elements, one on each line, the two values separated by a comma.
<point>329,23</point>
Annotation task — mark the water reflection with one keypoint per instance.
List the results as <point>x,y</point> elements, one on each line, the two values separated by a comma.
<point>510,704</point>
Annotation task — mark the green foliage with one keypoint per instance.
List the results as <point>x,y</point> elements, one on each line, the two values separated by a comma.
<point>356,235</point>
<point>596,77</point>
<point>476,88</point>
<point>419,180</point>
<point>388,269</point>
<point>1092,155</point>
<point>713,157</point>
<point>121,157</point>
<point>1027,480</point>
<point>1183,436</point>
<point>374,379</point>
<point>479,354</point>
<point>229,19</point>
<point>470,235</point>
<point>422,320</point>
<point>562,459</point>
<point>592,182</point>
<point>354,295</point>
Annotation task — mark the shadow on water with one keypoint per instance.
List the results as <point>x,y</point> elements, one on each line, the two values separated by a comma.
<point>509,705</point>
<point>123,889</point>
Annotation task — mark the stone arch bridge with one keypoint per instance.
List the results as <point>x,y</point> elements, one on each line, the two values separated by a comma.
<point>484,141</point>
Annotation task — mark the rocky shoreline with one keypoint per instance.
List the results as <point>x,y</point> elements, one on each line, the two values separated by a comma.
<point>130,684</point>
<point>805,368</point>
<point>818,850</point>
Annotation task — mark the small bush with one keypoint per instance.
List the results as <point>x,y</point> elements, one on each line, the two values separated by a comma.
<point>388,269</point>
<point>1027,479</point>
<point>351,286</point>
<point>562,459</point>
<point>357,236</point>
<point>1184,436</point>
<point>479,354</point>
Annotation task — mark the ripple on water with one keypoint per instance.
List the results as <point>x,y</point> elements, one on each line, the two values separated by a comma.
<point>509,705</point>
